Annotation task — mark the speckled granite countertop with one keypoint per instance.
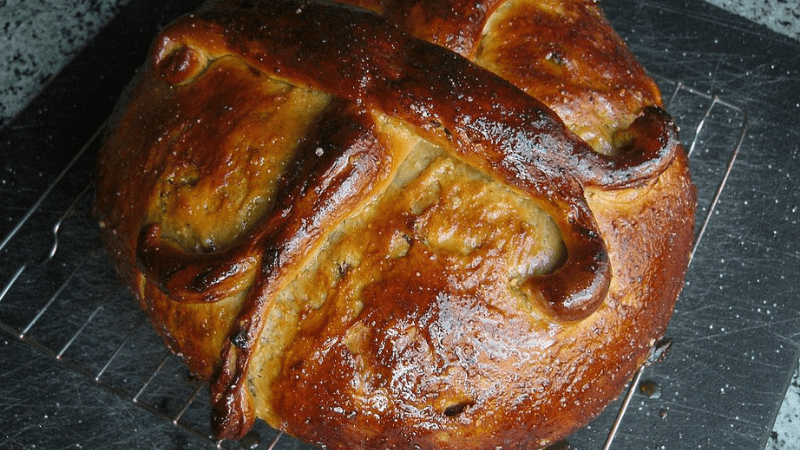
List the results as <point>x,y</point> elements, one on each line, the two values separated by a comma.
<point>40,36</point>
<point>782,16</point>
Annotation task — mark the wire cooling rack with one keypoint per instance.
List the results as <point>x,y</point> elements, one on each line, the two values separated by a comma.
<point>61,296</point>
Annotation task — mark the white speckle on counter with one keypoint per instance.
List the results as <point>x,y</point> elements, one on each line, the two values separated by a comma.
<point>38,38</point>
<point>782,16</point>
<point>786,433</point>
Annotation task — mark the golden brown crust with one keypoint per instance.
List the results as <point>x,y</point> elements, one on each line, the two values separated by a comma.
<point>369,240</point>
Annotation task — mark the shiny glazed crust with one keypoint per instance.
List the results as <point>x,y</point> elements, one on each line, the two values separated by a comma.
<point>442,224</point>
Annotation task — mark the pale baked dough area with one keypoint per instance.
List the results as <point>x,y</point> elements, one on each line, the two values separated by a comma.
<point>437,215</point>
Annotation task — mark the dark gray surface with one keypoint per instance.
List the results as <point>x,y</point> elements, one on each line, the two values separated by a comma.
<point>57,408</point>
<point>736,327</point>
<point>735,330</point>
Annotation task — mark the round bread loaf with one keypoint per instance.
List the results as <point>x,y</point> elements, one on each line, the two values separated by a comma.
<point>400,224</point>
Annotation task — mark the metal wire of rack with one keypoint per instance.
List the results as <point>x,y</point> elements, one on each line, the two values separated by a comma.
<point>707,209</point>
<point>79,315</point>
